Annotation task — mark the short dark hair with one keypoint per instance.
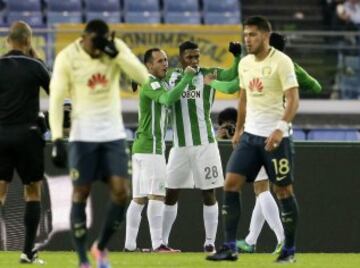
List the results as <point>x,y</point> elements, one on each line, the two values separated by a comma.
<point>277,41</point>
<point>260,22</point>
<point>187,45</point>
<point>227,115</point>
<point>148,56</point>
<point>97,26</point>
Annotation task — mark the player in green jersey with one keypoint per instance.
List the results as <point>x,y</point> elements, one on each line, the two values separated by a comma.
<point>148,160</point>
<point>194,160</point>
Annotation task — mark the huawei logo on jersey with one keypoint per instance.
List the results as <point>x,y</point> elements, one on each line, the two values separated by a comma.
<point>97,79</point>
<point>256,85</point>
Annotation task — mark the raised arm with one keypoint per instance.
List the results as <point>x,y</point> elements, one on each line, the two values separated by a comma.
<point>227,87</point>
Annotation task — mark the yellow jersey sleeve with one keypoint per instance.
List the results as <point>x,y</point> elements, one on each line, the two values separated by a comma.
<point>130,64</point>
<point>241,82</point>
<point>59,88</point>
<point>287,74</point>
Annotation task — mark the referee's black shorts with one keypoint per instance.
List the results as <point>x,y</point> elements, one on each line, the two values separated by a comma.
<point>21,148</point>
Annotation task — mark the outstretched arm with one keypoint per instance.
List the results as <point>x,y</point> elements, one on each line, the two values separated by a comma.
<point>306,81</point>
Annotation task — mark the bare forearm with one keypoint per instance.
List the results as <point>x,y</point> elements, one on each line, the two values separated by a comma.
<point>292,104</point>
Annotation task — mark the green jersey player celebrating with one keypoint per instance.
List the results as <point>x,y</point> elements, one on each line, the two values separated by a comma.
<point>265,206</point>
<point>148,160</point>
<point>194,161</point>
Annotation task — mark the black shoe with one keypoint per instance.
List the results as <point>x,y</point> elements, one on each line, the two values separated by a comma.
<point>286,256</point>
<point>224,254</point>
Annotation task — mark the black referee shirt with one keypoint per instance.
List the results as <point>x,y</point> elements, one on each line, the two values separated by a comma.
<point>20,80</point>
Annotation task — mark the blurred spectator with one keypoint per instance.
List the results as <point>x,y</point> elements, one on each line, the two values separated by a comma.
<point>226,121</point>
<point>349,12</point>
<point>330,18</point>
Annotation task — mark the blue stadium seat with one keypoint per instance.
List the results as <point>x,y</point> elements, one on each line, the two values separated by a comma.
<point>352,62</point>
<point>299,134</point>
<point>34,19</point>
<point>334,134</point>
<point>182,18</point>
<point>23,5</point>
<point>221,6</point>
<point>109,17</point>
<point>181,6</point>
<point>142,17</point>
<point>221,18</point>
<point>102,5</point>
<point>64,5</point>
<point>141,6</point>
<point>349,86</point>
<point>63,17</point>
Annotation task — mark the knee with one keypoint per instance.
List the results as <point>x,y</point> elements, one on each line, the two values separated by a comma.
<point>261,186</point>
<point>32,192</point>
<point>233,182</point>
<point>209,197</point>
<point>283,192</point>
<point>120,195</point>
<point>80,194</point>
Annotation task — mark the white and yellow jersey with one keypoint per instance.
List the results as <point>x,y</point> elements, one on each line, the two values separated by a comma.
<point>93,86</point>
<point>265,83</point>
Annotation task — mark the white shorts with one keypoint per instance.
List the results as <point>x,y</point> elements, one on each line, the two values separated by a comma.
<point>262,175</point>
<point>149,175</point>
<point>195,167</point>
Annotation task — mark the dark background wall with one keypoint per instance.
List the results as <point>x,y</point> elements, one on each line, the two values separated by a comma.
<point>327,187</point>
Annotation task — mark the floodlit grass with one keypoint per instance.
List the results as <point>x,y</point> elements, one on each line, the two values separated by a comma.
<point>190,260</point>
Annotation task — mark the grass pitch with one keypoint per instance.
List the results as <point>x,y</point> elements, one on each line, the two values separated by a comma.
<point>189,260</point>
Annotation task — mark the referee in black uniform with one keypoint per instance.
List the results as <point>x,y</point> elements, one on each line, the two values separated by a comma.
<point>21,143</point>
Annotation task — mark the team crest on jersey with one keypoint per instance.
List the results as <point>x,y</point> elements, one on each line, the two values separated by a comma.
<point>256,86</point>
<point>97,81</point>
<point>266,71</point>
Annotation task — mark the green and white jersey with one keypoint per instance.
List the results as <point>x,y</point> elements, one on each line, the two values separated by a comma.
<point>150,134</point>
<point>191,114</point>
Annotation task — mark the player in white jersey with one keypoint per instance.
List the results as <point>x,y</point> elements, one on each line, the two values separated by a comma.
<point>267,76</point>
<point>194,161</point>
<point>88,70</point>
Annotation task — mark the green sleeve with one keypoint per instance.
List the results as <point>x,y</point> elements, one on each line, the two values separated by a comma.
<point>227,87</point>
<point>231,73</point>
<point>168,97</point>
<point>306,81</point>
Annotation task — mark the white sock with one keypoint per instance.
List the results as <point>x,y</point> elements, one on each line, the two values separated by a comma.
<point>256,224</point>
<point>133,218</point>
<point>155,211</point>
<point>169,217</point>
<point>211,218</point>
<point>270,211</point>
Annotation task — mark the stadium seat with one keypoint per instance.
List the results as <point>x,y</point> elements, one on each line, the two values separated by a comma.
<point>181,6</point>
<point>299,134</point>
<point>334,135</point>
<point>349,86</point>
<point>62,5</point>
<point>222,18</point>
<point>109,17</point>
<point>352,62</point>
<point>221,6</point>
<point>63,17</point>
<point>141,6</point>
<point>23,5</point>
<point>182,18</point>
<point>34,19</point>
<point>142,17</point>
<point>102,5</point>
